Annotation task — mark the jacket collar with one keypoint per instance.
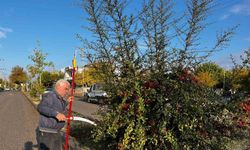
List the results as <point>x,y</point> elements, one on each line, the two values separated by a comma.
<point>58,95</point>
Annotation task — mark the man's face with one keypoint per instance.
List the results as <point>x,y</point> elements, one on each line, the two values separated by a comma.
<point>64,90</point>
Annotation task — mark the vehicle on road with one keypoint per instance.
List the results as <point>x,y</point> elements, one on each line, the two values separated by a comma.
<point>7,89</point>
<point>95,94</point>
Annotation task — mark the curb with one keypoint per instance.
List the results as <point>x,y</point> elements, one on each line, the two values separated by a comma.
<point>33,104</point>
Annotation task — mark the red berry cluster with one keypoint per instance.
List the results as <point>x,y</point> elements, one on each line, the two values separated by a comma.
<point>187,75</point>
<point>125,106</point>
<point>151,84</point>
<point>246,107</point>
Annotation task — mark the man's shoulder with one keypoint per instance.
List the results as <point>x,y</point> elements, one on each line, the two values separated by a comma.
<point>49,94</point>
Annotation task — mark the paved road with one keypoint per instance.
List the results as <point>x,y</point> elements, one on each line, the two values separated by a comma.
<point>88,110</point>
<point>18,122</point>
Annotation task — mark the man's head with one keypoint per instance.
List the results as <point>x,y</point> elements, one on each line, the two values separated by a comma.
<point>62,87</point>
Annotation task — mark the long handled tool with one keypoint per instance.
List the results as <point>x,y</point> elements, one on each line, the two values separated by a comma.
<point>70,103</point>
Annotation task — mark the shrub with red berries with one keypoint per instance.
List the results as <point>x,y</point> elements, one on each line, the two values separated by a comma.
<point>175,112</point>
<point>155,101</point>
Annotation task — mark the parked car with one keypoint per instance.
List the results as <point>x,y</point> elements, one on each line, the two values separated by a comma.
<point>7,89</point>
<point>95,94</point>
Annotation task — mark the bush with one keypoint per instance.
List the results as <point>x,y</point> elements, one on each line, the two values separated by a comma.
<point>155,103</point>
<point>36,90</point>
<point>171,112</point>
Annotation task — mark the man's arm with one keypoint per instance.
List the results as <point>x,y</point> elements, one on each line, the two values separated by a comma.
<point>45,106</point>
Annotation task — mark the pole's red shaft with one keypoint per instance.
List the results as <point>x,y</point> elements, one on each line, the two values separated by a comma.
<point>70,110</point>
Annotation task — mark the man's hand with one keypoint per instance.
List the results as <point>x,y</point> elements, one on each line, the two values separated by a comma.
<point>70,98</point>
<point>60,117</point>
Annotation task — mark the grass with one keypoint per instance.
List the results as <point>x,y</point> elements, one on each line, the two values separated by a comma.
<point>82,132</point>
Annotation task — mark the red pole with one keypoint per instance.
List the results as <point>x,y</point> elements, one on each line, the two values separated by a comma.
<point>70,109</point>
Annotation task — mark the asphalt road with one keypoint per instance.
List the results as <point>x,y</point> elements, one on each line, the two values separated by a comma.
<point>88,110</point>
<point>18,119</point>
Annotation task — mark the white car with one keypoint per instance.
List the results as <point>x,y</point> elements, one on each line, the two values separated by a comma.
<point>95,94</point>
<point>7,89</point>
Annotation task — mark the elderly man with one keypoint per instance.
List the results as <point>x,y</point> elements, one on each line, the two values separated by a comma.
<point>52,111</point>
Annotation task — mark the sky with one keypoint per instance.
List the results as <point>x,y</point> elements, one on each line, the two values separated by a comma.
<point>55,23</point>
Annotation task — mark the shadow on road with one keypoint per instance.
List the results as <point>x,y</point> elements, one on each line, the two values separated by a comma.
<point>29,146</point>
<point>73,144</point>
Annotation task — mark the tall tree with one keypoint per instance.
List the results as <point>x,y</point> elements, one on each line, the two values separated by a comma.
<point>39,60</point>
<point>18,75</point>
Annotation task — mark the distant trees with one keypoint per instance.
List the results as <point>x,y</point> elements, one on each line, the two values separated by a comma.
<point>89,75</point>
<point>79,81</point>
<point>235,79</point>
<point>240,79</point>
<point>210,74</point>
<point>18,75</point>
<point>1,82</point>
<point>206,78</point>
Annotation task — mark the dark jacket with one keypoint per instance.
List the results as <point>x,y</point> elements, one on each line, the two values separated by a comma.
<point>51,104</point>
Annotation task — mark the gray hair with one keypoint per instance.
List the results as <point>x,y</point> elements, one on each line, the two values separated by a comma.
<point>61,82</point>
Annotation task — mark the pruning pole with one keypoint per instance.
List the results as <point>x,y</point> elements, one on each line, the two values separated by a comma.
<point>70,103</point>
